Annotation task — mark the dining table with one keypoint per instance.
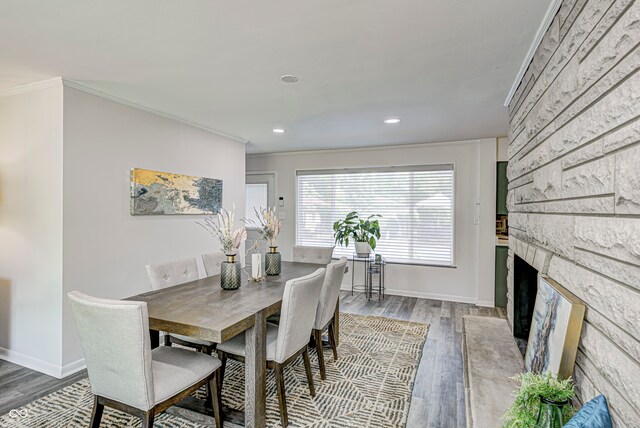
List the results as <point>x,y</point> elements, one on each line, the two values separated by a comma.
<point>203,310</point>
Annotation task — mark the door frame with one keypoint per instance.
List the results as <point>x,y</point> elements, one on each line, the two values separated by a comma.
<point>275,182</point>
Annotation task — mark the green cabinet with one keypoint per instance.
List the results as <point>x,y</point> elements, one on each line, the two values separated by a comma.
<point>501,190</point>
<point>501,250</point>
<point>501,276</point>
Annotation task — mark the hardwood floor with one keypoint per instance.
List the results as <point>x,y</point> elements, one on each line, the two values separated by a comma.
<point>438,393</point>
<point>19,385</point>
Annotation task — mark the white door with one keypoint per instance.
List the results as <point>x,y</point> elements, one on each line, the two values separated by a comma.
<point>261,193</point>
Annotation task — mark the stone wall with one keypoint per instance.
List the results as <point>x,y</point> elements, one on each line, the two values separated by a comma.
<point>574,192</point>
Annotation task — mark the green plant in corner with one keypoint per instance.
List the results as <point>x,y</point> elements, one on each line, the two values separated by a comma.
<point>353,227</point>
<point>523,413</point>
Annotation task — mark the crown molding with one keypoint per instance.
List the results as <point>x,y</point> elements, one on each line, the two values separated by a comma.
<point>30,87</point>
<point>544,26</point>
<point>99,93</point>
<point>374,148</point>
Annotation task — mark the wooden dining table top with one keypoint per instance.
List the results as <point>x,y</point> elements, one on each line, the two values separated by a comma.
<point>202,309</point>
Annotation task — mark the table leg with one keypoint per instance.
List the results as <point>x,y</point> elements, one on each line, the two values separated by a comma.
<point>255,373</point>
<point>155,338</point>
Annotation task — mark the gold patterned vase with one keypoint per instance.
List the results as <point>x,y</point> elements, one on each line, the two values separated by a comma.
<point>230,277</point>
<point>272,262</point>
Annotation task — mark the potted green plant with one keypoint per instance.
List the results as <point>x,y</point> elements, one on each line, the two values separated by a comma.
<point>365,233</point>
<point>542,400</point>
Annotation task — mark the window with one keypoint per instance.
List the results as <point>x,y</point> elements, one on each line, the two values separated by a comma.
<point>416,205</point>
<point>256,198</point>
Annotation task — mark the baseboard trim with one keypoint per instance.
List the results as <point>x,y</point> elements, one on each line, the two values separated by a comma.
<point>30,362</point>
<point>73,367</point>
<point>40,365</point>
<point>485,303</point>
<point>422,295</point>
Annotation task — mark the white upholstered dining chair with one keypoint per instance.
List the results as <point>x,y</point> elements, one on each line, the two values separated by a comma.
<point>289,339</point>
<point>212,262</point>
<point>125,373</point>
<point>167,274</point>
<point>309,254</point>
<point>325,315</point>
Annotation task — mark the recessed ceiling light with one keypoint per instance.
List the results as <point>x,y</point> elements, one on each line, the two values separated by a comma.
<point>289,78</point>
<point>278,130</point>
<point>392,121</point>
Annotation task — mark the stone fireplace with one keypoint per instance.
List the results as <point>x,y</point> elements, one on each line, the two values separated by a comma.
<point>524,263</point>
<point>525,288</point>
<point>574,187</point>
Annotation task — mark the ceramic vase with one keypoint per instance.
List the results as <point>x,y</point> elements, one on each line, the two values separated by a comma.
<point>230,277</point>
<point>363,249</point>
<point>550,413</point>
<point>272,262</point>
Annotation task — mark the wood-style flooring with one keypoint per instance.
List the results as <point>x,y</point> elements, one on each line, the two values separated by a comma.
<point>438,393</point>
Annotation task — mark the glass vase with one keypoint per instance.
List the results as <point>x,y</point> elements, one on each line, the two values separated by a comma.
<point>550,413</point>
<point>272,262</point>
<point>230,277</point>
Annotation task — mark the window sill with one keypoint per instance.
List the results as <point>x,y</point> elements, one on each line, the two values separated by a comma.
<point>422,264</point>
<point>388,262</point>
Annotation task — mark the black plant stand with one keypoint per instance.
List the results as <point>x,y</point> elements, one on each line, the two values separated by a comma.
<point>376,267</point>
<point>366,261</point>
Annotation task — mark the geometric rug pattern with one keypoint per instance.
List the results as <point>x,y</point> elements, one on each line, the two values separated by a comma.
<point>368,387</point>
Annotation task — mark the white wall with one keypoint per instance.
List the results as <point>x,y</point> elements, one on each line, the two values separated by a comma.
<point>106,248</point>
<point>31,225</point>
<point>472,280</point>
<point>503,148</point>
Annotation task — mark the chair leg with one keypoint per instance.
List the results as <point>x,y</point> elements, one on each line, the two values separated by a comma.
<point>96,415</point>
<point>307,368</point>
<point>282,399</point>
<point>332,341</point>
<point>317,334</point>
<point>147,419</point>
<point>167,339</point>
<point>209,398</point>
<point>223,359</point>
<point>215,400</point>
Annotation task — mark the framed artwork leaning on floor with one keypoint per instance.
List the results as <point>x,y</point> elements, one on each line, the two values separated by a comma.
<point>555,330</point>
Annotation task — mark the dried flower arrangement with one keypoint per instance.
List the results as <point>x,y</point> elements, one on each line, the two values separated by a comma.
<point>222,227</point>
<point>268,224</point>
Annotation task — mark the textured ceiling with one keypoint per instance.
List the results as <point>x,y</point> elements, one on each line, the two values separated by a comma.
<point>443,66</point>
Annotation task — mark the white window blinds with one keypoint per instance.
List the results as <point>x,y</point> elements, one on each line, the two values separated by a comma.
<point>416,205</point>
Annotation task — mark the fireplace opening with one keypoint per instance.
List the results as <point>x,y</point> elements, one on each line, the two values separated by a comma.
<point>525,287</point>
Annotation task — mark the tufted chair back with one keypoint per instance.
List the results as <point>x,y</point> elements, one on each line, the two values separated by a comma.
<point>212,262</point>
<point>168,274</point>
<point>308,254</point>
<point>330,292</point>
<point>299,304</point>
<point>114,335</point>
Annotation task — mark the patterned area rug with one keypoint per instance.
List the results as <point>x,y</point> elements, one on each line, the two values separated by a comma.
<point>369,386</point>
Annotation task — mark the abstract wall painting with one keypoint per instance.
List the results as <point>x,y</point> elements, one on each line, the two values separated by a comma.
<point>162,193</point>
<point>555,330</point>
